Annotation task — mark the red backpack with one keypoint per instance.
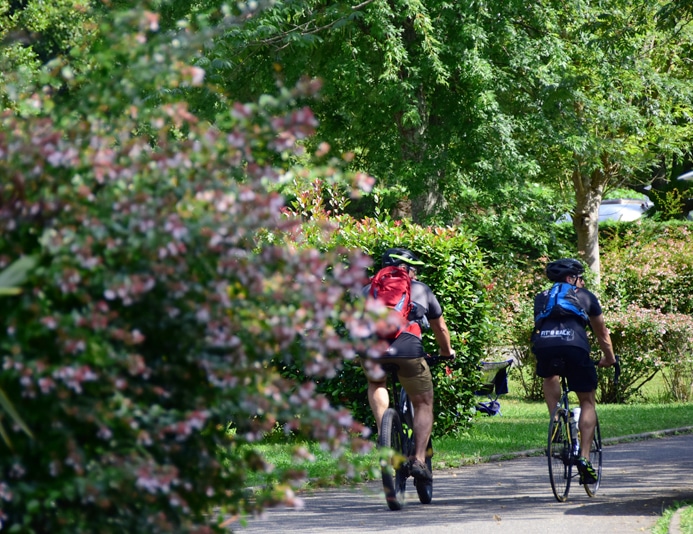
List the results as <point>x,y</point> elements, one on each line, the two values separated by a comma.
<point>392,286</point>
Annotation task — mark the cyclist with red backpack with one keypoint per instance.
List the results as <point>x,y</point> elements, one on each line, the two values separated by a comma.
<point>396,286</point>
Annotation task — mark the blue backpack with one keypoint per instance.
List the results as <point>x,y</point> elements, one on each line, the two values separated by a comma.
<point>562,301</point>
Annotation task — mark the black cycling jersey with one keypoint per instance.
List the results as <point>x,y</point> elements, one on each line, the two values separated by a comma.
<point>427,304</point>
<point>565,331</point>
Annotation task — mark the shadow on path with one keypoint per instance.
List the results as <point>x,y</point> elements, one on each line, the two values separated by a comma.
<point>639,480</point>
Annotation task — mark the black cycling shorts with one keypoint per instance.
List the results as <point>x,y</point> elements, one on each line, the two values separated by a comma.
<point>572,362</point>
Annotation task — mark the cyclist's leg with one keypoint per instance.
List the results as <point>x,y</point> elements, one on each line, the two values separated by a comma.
<point>416,380</point>
<point>379,400</point>
<point>552,391</point>
<point>582,379</point>
<point>588,420</point>
<point>549,366</point>
<point>378,396</point>
<point>415,377</point>
<point>423,422</point>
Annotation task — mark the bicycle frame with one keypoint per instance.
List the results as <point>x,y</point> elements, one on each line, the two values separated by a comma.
<point>402,405</point>
<point>563,446</point>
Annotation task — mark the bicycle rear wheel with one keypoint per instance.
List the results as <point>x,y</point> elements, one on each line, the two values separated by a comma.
<point>595,460</point>
<point>560,462</point>
<point>393,466</point>
<point>423,489</point>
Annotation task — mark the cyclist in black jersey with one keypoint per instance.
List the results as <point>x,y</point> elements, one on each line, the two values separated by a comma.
<point>408,352</point>
<point>561,347</point>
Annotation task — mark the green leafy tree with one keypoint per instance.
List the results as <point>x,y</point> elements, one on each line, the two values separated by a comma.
<point>405,89</point>
<point>140,353</point>
<point>606,89</point>
<point>464,106</point>
<point>34,33</point>
<point>467,112</point>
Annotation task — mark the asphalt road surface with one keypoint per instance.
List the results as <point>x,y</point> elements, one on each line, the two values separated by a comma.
<point>640,479</point>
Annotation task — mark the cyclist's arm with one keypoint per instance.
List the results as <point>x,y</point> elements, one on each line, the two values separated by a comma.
<point>602,332</point>
<point>442,335</point>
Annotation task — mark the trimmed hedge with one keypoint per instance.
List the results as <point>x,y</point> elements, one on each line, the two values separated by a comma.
<point>456,272</point>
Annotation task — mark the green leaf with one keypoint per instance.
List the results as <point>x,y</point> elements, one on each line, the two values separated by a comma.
<point>8,291</point>
<point>7,405</point>
<point>15,275</point>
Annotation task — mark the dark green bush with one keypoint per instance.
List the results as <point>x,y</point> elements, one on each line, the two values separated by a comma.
<point>455,271</point>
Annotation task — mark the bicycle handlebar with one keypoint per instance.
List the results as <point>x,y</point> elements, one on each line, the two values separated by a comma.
<point>433,359</point>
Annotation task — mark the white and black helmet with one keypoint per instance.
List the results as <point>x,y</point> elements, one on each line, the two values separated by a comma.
<point>557,270</point>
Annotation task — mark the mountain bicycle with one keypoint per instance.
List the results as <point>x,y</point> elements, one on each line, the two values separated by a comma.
<point>397,435</point>
<point>563,448</point>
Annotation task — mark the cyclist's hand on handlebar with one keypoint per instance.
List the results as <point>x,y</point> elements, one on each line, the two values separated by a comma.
<point>606,362</point>
<point>437,357</point>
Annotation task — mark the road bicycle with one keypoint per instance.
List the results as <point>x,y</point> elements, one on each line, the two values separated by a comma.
<point>397,437</point>
<point>563,448</point>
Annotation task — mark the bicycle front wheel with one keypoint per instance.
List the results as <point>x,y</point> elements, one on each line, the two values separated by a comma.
<point>558,449</point>
<point>595,460</point>
<point>393,464</point>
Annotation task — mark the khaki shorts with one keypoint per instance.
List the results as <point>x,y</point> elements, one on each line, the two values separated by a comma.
<point>413,374</point>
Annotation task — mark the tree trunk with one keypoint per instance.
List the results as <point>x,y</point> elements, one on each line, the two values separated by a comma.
<point>426,197</point>
<point>589,189</point>
<point>428,202</point>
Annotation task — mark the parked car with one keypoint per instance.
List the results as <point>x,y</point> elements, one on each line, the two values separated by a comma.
<point>687,176</point>
<point>618,209</point>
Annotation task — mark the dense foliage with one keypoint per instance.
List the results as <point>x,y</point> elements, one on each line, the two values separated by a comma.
<point>457,274</point>
<point>476,103</point>
<point>140,352</point>
<point>645,294</point>
<point>150,347</point>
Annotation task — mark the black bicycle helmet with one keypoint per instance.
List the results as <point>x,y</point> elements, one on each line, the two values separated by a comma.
<point>557,270</point>
<point>398,256</point>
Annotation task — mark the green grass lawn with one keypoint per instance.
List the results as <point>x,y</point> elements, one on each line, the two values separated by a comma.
<point>686,523</point>
<point>522,427</point>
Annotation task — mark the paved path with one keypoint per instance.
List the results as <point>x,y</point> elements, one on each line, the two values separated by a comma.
<point>640,479</point>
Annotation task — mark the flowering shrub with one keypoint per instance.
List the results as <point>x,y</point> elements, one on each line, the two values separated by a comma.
<point>647,342</point>
<point>646,299</point>
<point>512,292</point>
<point>140,352</point>
<point>650,265</point>
<point>646,281</point>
